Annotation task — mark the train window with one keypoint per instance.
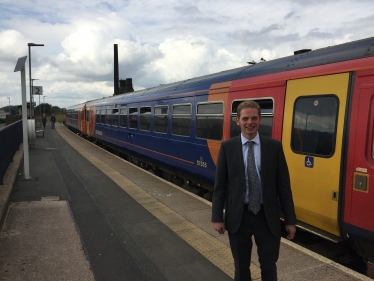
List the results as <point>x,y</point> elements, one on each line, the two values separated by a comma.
<point>267,114</point>
<point>102,120</point>
<point>145,118</point>
<point>115,117</point>
<point>161,119</point>
<point>181,120</point>
<point>108,116</point>
<point>97,116</point>
<point>133,117</point>
<point>209,121</point>
<point>314,125</point>
<point>123,117</point>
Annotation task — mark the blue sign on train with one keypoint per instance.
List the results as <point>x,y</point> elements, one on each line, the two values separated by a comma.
<point>309,162</point>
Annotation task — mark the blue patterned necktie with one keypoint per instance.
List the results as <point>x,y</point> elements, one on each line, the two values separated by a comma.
<point>254,203</point>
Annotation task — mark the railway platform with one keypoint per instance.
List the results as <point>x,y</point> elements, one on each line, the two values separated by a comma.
<point>89,215</point>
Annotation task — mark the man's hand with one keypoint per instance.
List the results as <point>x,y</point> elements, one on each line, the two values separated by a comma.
<point>219,227</point>
<point>291,229</point>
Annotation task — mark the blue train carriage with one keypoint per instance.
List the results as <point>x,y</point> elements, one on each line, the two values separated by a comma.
<point>160,127</point>
<point>310,101</point>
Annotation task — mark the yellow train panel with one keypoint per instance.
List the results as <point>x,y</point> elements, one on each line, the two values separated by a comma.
<point>315,177</point>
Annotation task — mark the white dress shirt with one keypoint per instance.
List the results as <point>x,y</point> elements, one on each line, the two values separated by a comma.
<point>257,155</point>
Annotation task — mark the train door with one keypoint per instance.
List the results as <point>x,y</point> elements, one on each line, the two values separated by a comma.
<point>88,121</point>
<point>312,140</point>
<point>82,119</point>
<point>359,197</point>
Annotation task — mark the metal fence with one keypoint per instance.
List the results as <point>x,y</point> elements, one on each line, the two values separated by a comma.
<point>10,139</point>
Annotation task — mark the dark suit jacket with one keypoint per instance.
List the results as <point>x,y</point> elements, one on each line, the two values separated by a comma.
<point>230,187</point>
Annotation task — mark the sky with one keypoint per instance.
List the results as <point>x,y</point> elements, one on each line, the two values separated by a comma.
<point>159,42</point>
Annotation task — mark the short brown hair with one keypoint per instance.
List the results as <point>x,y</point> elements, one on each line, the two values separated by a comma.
<point>248,104</point>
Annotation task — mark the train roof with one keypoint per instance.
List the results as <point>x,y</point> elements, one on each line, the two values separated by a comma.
<point>332,54</point>
<point>76,106</point>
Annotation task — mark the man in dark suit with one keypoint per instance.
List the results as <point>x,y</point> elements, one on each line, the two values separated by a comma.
<point>251,180</point>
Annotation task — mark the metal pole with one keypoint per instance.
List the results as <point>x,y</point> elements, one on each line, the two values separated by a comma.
<point>30,80</point>
<point>40,111</point>
<point>44,103</point>
<point>24,126</point>
<point>32,99</point>
<point>32,89</point>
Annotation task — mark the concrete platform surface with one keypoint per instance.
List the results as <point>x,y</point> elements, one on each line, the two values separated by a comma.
<point>116,221</point>
<point>39,241</point>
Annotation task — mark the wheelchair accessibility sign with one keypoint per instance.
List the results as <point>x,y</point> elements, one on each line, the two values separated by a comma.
<point>309,162</point>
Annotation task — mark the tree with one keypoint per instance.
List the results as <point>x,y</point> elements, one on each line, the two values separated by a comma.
<point>46,108</point>
<point>56,109</point>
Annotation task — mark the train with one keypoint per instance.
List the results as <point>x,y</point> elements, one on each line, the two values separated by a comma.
<point>318,103</point>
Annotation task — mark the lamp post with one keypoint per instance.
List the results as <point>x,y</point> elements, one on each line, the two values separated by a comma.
<point>9,105</point>
<point>44,103</point>
<point>31,45</point>
<point>32,90</point>
<point>32,83</point>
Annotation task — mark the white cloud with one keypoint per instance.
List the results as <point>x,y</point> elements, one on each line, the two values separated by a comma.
<point>10,41</point>
<point>160,42</point>
<point>184,58</point>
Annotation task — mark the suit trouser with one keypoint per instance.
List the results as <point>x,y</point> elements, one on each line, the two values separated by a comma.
<point>267,247</point>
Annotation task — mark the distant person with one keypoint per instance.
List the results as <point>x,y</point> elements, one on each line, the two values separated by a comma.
<point>53,121</point>
<point>251,178</point>
<point>44,120</point>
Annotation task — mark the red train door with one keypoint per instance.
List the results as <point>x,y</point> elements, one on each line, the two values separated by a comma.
<point>359,190</point>
<point>90,120</point>
<point>82,120</point>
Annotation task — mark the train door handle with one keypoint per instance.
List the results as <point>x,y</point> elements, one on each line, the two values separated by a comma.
<point>334,195</point>
<point>130,135</point>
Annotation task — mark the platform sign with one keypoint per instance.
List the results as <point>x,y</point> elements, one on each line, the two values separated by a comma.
<point>20,64</point>
<point>37,90</point>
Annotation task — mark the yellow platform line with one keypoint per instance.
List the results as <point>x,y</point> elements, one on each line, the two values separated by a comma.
<point>212,249</point>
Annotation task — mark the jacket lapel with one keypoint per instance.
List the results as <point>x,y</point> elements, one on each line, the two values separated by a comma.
<point>238,154</point>
<point>264,159</point>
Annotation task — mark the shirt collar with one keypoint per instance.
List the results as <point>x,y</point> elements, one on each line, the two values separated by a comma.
<point>256,139</point>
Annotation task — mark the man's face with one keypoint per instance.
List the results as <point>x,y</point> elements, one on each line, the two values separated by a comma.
<point>249,122</point>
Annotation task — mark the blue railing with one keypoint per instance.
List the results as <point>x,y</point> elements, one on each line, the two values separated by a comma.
<point>10,140</point>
